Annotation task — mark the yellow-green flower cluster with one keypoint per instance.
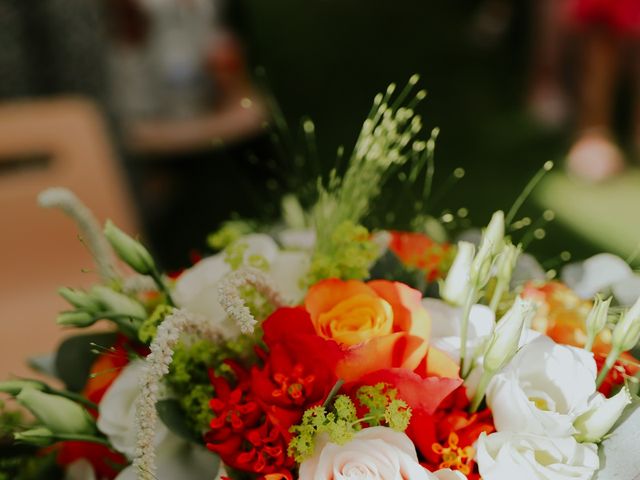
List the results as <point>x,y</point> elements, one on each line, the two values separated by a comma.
<point>188,375</point>
<point>342,422</point>
<point>229,233</point>
<point>348,255</point>
<point>234,256</point>
<point>149,327</point>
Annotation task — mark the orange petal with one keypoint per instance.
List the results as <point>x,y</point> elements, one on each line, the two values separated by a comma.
<point>439,364</point>
<point>408,313</point>
<point>398,350</point>
<point>326,294</point>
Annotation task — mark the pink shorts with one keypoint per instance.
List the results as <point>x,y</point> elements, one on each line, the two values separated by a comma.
<point>620,16</point>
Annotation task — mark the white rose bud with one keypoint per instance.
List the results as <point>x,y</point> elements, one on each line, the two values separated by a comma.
<point>118,302</point>
<point>595,423</point>
<point>132,252</point>
<point>504,341</point>
<point>79,299</point>
<point>627,331</point>
<point>457,284</point>
<point>14,387</point>
<point>58,414</point>
<point>39,437</point>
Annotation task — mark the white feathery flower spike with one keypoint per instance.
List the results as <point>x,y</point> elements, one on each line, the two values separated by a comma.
<point>234,305</point>
<point>157,366</point>
<point>90,230</point>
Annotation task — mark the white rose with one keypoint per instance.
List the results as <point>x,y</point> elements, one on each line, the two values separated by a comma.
<point>196,289</point>
<point>374,453</point>
<point>509,456</point>
<point>543,389</point>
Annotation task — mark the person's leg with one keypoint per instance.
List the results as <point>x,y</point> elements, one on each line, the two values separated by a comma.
<point>595,156</point>
<point>547,99</point>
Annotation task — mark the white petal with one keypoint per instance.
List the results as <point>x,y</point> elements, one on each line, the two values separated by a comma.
<point>118,412</point>
<point>596,274</point>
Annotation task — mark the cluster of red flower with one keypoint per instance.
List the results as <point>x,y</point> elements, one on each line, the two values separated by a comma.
<point>304,358</point>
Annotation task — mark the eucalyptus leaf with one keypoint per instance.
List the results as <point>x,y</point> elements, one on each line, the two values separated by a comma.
<point>619,452</point>
<point>76,355</point>
<point>174,418</point>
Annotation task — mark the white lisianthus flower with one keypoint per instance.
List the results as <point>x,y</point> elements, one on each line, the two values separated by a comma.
<point>298,239</point>
<point>177,458</point>
<point>373,453</point>
<point>117,411</point>
<point>446,322</point>
<point>196,289</point>
<point>510,456</point>
<point>543,389</point>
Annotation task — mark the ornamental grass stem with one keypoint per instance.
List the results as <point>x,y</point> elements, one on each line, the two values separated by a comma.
<point>608,364</point>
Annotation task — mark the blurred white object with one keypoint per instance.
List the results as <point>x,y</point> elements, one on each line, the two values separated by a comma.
<point>603,273</point>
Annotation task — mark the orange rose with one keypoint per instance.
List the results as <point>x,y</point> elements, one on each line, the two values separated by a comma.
<point>353,312</point>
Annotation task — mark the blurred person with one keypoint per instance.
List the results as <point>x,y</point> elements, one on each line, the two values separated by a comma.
<point>547,99</point>
<point>52,47</point>
<point>610,34</point>
<point>182,90</point>
<point>606,35</point>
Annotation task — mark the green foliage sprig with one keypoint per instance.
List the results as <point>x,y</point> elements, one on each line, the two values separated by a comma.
<point>341,423</point>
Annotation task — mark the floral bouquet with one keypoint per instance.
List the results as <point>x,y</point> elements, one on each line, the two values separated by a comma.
<point>329,351</point>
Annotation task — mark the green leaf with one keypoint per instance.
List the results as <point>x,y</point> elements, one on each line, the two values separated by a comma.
<point>44,364</point>
<point>618,452</point>
<point>172,415</point>
<point>75,357</point>
<point>390,267</point>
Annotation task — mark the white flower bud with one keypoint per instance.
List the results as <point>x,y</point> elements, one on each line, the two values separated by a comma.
<point>14,387</point>
<point>79,299</point>
<point>39,437</point>
<point>627,331</point>
<point>457,284</point>
<point>132,252</point>
<point>76,319</point>
<point>118,302</point>
<point>491,243</point>
<point>597,318</point>
<point>503,343</point>
<point>507,261</point>
<point>58,414</point>
<point>596,422</point>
